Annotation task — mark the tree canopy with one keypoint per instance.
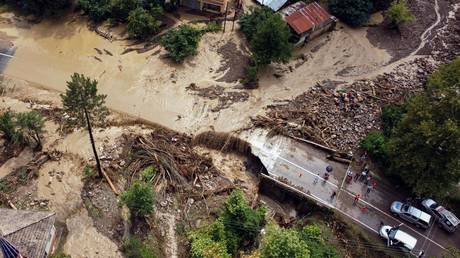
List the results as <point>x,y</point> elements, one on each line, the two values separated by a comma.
<point>139,199</point>
<point>270,42</point>
<point>82,93</point>
<point>280,243</point>
<point>40,7</point>
<point>351,12</point>
<point>425,147</point>
<point>248,21</point>
<point>181,42</point>
<point>119,10</point>
<point>142,24</point>
<point>399,13</point>
<point>25,127</point>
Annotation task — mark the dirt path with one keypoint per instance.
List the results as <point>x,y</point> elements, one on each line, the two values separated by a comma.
<point>171,243</point>
<point>14,163</point>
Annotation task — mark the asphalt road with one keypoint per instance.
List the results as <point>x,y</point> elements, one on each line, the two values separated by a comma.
<point>300,164</point>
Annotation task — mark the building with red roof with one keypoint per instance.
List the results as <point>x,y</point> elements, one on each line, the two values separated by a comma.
<point>307,21</point>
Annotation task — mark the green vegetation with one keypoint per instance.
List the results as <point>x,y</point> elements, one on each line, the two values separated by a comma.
<point>425,147</point>
<point>148,174</point>
<point>312,235</point>
<point>39,7</point>
<point>237,226</point>
<point>270,42</point>
<point>181,42</point>
<point>142,24</point>
<point>82,94</point>
<point>88,172</point>
<point>139,199</point>
<point>26,127</point>
<point>249,21</point>
<point>30,126</point>
<point>135,248</point>
<point>268,37</point>
<point>212,27</point>
<point>451,252</point>
<point>351,12</point>
<point>422,145</point>
<point>278,243</point>
<point>97,10</point>
<point>399,14</point>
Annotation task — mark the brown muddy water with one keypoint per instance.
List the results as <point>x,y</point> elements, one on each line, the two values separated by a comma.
<point>153,88</point>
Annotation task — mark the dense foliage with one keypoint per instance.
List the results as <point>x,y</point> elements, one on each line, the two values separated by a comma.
<point>270,42</point>
<point>279,243</point>
<point>351,12</point>
<point>135,248</point>
<point>82,93</point>
<point>391,116</point>
<point>181,42</point>
<point>142,24</point>
<point>249,21</point>
<point>399,14</point>
<point>238,225</point>
<point>24,127</point>
<point>139,199</point>
<point>118,10</point>
<point>40,7</point>
<point>318,247</point>
<point>425,147</point>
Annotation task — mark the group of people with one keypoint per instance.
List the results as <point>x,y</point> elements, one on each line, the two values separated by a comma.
<point>366,177</point>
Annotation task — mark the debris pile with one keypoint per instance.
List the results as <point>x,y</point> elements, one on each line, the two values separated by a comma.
<point>225,98</point>
<point>340,118</point>
<point>445,45</point>
<point>172,155</point>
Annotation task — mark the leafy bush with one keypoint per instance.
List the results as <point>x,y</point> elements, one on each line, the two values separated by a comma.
<point>120,9</point>
<point>141,24</point>
<point>399,13</point>
<point>375,144</point>
<point>209,242</point>
<point>98,10</point>
<point>352,12</point>
<point>135,248</point>
<point>250,75</point>
<point>212,27</point>
<point>311,234</point>
<point>391,116</point>
<point>181,42</point>
<point>88,172</point>
<point>249,21</point>
<point>148,173</point>
<point>9,129</point>
<point>139,199</point>
<point>278,243</point>
<point>31,124</point>
<point>40,7</point>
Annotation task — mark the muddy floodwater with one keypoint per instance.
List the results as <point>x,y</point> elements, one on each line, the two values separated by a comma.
<point>151,87</point>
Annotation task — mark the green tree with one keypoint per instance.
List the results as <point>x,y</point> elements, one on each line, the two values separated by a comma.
<point>312,235</point>
<point>134,248</point>
<point>399,14</point>
<point>122,8</point>
<point>391,116</point>
<point>209,242</point>
<point>8,128</point>
<point>81,93</point>
<point>97,10</point>
<point>375,144</point>
<point>31,126</point>
<point>270,42</point>
<point>181,42</point>
<point>250,20</point>
<point>425,147</point>
<point>281,243</point>
<point>242,223</point>
<point>351,12</point>
<point>141,24</point>
<point>139,199</point>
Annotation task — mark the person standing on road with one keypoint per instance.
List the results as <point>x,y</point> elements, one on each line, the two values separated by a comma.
<point>369,188</point>
<point>334,193</point>
<point>315,181</point>
<point>356,199</point>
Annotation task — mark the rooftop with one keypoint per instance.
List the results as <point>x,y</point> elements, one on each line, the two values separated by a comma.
<point>275,5</point>
<point>307,17</point>
<point>28,231</point>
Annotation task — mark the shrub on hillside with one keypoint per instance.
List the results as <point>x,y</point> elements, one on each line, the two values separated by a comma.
<point>351,12</point>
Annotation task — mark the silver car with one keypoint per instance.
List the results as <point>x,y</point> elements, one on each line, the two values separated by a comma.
<point>398,238</point>
<point>446,219</point>
<point>411,214</point>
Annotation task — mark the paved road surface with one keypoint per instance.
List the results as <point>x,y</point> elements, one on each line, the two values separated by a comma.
<point>300,164</point>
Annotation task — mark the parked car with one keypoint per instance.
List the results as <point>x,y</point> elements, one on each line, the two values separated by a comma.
<point>411,214</point>
<point>446,219</point>
<point>397,238</point>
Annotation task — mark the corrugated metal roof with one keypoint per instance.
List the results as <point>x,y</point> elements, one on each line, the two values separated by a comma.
<point>275,5</point>
<point>307,18</point>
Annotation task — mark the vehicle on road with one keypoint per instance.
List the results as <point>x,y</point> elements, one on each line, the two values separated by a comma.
<point>397,238</point>
<point>411,214</point>
<point>446,219</point>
